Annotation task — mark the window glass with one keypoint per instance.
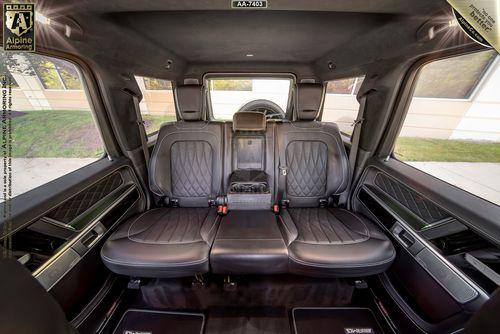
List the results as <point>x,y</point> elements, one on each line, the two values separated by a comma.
<point>341,105</point>
<point>53,131</point>
<point>68,74</point>
<point>442,79</point>
<point>228,95</point>
<point>457,140</point>
<point>157,104</point>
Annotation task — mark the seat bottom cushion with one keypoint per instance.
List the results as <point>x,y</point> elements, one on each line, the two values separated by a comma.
<point>163,242</point>
<point>330,242</point>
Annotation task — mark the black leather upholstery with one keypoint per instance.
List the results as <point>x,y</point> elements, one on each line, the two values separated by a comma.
<point>323,242</point>
<point>190,102</point>
<point>328,242</point>
<point>186,163</point>
<point>249,242</point>
<point>163,242</point>
<point>315,159</point>
<point>186,166</point>
<point>308,100</point>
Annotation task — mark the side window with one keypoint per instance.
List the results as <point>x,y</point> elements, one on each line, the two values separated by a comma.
<point>452,129</point>
<point>341,105</point>
<point>157,105</point>
<point>52,129</point>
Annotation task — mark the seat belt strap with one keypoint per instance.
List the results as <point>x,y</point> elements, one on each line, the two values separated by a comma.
<point>142,129</point>
<point>356,132</point>
<point>282,171</point>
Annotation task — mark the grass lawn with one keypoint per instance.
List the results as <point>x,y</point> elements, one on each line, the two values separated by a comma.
<point>72,134</point>
<point>423,149</point>
<point>62,133</point>
<point>153,123</point>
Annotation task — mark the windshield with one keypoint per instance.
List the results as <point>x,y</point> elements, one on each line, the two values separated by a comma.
<point>229,95</point>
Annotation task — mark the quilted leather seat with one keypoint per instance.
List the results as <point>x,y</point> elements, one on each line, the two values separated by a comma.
<point>323,242</point>
<point>185,168</point>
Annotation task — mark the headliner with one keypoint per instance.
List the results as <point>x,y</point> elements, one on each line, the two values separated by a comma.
<point>299,36</point>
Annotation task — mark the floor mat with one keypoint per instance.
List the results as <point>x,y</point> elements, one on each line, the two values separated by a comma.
<point>247,321</point>
<point>160,322</point>
<point>335,320</point>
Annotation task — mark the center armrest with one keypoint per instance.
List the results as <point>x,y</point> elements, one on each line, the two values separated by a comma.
<point>249,242</point>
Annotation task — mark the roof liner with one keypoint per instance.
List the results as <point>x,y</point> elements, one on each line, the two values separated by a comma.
<point>298,36</point>
<point>229,36</point>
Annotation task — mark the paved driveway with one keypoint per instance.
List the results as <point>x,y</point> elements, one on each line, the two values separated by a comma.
<point>480,178</point>
<point>31,173</point>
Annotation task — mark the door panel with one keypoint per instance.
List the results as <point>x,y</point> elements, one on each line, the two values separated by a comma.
<point>435,227</point>
<point>59,236</point>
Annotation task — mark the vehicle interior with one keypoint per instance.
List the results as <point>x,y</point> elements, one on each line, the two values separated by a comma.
<point>250,210</point>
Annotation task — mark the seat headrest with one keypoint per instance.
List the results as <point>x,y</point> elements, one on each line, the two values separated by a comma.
<point>249,121</point>
<point>308,99</point>
<point>190,102</point>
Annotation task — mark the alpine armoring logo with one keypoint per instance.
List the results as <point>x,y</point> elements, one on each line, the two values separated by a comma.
<point>19,27</point>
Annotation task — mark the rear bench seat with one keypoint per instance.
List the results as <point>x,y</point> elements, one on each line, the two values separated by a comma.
<point>310,164</point>
<point>313,167</point>
<point>185,168</point>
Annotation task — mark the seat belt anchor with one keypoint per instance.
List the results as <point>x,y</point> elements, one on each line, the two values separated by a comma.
<point>283,170</point>
<point>357,121</point>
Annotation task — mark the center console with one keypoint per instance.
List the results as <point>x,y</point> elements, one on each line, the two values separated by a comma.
<point>249,242</point>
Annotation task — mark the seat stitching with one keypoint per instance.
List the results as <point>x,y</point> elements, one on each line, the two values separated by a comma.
<point>286,227</point>
<point>136,264</point>
<point>350,233</point>
<point>332,226</point>
<point>311,264</point>
<point>367,231</point>
<point>135,220</point>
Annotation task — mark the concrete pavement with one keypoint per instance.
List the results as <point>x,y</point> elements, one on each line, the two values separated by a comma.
<point>479,178</point>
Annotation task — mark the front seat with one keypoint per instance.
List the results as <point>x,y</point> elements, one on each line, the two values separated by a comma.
<point>185,172</point>
<point>323,241</point>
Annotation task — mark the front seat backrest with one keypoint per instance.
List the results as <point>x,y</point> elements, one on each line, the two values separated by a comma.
<point>312,154</point>
<point>186,164</point>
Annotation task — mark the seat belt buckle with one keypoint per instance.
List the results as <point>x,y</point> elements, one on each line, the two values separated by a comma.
<point>174,202</point>
<point>323,202</point>
<point>212,202</point>
<point>222,210</point>
<point>285,203</point>
<point>276,208</point>
<point>283,170</point>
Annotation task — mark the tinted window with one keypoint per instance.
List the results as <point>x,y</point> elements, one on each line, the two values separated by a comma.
<point>457,140</point>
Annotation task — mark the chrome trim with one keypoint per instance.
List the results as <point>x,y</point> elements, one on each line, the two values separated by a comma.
<point>414,234</point>
<point>84,231</point>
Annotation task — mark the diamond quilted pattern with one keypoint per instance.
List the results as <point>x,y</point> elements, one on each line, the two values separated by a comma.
<point>416,203</point>
<point>307,164</point>
<point>76,205</point>
<point>191,165</point>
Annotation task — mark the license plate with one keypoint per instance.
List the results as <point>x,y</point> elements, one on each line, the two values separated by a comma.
<point>236,4</point>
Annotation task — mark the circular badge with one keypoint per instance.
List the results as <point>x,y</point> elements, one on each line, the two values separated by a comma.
<point>469,30</point>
